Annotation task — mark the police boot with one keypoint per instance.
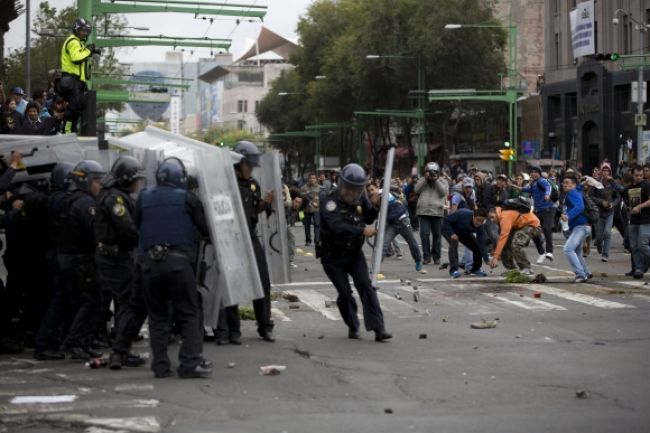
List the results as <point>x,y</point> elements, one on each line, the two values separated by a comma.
<point>268,336</point>
<point>78,353</point>
<point>116,361</point>
<point>134,360</point>
<point>353,334</point>
<point>381,335</point>
<point>197,372</point>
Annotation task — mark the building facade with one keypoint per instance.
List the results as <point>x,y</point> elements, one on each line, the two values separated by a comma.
<point>588,113</point>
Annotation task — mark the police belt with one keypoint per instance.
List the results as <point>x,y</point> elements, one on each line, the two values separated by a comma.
<point>340,248</point>
<point>68,74</point>
<point>159,253</point>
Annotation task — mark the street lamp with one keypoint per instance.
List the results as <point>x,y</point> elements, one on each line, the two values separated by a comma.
<point>421,146</point>
<point>511,91</point>
<point>642,28</point>
<point>320,77</point>
<point>289,93</point>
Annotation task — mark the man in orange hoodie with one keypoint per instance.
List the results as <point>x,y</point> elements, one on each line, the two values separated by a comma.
<point>516,229</point>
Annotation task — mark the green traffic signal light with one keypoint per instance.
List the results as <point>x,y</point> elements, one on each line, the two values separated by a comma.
<point>614,57</point>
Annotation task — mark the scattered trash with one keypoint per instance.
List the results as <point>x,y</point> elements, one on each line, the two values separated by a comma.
<point>539,279</point>
<point>306,270</point>
<point>408,283</point>
<point>96,363</point>
<point>398,296</point>
<point>517,336</point>
<point>380,276</point>
<point>581,393</point>
<point>309,254</point>
<point>415,310</point>
<point>484,324</point>
<point>475,347</point>
<point>424,271</point>
<point>231,365</point>
<point>521,295</point>
<point>416,296</point>
<point>422,336</point>
<point>272,370</point>
<point>599,343</point>
<point>537,295</point>
<point>445,319</point>
<point>300,250</point>
<point>294,306</point>
<point>604,274</point>
<point>320,337</point>
<point>388,410</point>
<point>330,304</point>
<point>290,297</point>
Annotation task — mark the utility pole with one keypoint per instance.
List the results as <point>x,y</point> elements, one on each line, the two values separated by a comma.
<point>28,47</point>
<point>641,99</point>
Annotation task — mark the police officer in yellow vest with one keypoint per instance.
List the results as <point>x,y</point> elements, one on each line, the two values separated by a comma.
<point>75,69</point>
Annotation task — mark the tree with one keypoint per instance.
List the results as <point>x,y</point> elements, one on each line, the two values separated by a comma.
<point>51,27</point>
<point>337,35</point>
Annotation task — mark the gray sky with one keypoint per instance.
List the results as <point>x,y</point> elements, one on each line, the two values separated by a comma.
<point>282,17</point>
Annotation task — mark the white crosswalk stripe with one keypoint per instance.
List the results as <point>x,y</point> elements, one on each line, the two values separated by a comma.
<point>531,304</point>
<point>316,301</point>
<point>578,297</point>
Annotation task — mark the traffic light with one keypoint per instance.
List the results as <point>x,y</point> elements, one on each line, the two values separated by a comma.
<point>506,141</point>
<point>609,56</point>
<point>507,154</point>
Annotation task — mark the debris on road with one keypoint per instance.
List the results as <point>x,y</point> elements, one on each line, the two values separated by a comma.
<point>581,393</point>
<point>388,410</point>
<point>445,319</point>
<point>290,297</point>
<point>416,296</point>
<point>513,276</point>
<point>422,336</point>
<point>381,276</point>
<point>484,324</point>
<point>231,365</point>
<point>330,304</point>
<point>272,370</point>
<point>294,306</point>
<point>539,279</point>
<point>537,294</point>
<point>320,337</point>
<point>97,363</point>
<point>398,296</point>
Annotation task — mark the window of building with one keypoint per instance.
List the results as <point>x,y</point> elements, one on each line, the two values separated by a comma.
<point>622,98</point>
<point>571,105</point>
<point>242,106</point>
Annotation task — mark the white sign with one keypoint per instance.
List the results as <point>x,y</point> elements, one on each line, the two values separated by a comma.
<point>175,114</point>
<point>148,97</point>
<point>582,29</point>
<point>635,92</point>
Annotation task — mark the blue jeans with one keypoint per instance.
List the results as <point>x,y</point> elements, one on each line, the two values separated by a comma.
<point>604,233</point>
<point>311,218</point>
<point>430,226</point>
<point>403,229</point>
<point>573,250</point>
<point>639,238</point>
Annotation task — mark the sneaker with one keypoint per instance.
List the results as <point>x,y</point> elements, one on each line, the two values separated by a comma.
<point>455,275</point>
<point>478,273</point>
<point>637,275</point>
<point>400,256</point>
<point>427,261</point>
<point>527,271</point>
<point>541,259</point>
<point>604,259</point>
<point>293,265</point>
<point>590,276</point>
<point>549,256</point>
<point>580,280</point>
<point>418,266</point>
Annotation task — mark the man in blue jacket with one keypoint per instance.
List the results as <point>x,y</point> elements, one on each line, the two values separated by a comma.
<point>540,190</point>
<point>579,227</point>
<point>461,226</point>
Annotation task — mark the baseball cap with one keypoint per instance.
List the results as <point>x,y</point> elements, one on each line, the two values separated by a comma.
<point>18,91</point>
<point>502,176</point>
<point>468,181</point>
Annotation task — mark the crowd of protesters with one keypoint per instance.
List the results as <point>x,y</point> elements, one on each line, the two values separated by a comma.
<point>41,115</point>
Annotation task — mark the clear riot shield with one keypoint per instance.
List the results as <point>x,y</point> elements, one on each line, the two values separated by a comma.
<point>273,227</point>
<point>383,212</point>
<point>105,157</point>
<point>236,268</point>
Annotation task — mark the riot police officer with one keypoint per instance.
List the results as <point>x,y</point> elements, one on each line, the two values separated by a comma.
<point>76,258</point>
<point>345,211</point>
<point>168,217</point>
<point>116,237</point>
<point>251,196</point>
<point>48,338</point>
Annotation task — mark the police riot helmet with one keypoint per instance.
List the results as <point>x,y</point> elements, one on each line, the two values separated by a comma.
<point>250,152</point>
<point>433,168</point>
<point>60,177</point>
<point>85,172</point>
<point>126,170</point>
<point>352,183</point>
<point>81,24</point>
<point>171,172</point>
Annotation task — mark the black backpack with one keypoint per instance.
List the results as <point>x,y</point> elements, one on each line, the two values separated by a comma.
<point>520,204</point>
<point>591,210</point>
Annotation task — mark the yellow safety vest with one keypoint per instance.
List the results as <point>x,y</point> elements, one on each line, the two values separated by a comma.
<point>74,57</point>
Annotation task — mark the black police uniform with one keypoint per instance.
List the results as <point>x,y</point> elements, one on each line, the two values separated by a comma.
<point>77,266</point>
<point>168,219</point>
<point>116,237</point>
<point>340,251</point>
<point>58,317</point>
<point>251,196</point>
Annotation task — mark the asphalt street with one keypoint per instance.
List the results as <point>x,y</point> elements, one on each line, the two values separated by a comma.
<point>563,357</point>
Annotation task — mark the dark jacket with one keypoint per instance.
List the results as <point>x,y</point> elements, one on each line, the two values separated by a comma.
<point>610,194</point>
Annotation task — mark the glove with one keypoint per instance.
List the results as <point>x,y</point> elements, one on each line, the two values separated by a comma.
<point>91,47</point>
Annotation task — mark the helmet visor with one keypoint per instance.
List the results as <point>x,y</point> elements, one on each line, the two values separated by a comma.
<point>351,194</point>
<point>253,160</point>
